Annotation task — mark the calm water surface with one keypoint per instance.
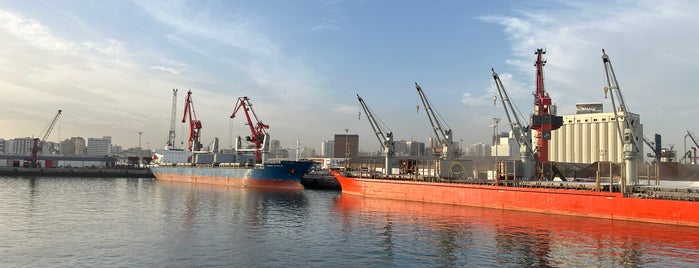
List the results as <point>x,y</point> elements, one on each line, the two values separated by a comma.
<point>79,222</point>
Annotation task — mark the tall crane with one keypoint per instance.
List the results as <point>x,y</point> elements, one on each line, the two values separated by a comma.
<point>258,136</point>
<point>384,135</point>
<point>694,140</point>
<point>194,124</point>
<point>543,121</point>
<point>171,134</point>
<point>39,143</point>
<point>446,147</point>
<point>521,133</point>
<point>626,134</point>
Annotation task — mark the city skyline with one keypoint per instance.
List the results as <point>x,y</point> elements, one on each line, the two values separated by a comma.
<point>111,65</point>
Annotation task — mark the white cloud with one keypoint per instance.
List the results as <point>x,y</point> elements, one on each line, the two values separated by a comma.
<point>649,45</point>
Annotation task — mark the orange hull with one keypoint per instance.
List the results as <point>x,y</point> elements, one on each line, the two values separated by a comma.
<point>554,201</point>
<point>228,181</point>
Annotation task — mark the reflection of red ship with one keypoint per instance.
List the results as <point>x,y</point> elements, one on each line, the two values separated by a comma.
<point>556,240</point>
<point>608,205</point>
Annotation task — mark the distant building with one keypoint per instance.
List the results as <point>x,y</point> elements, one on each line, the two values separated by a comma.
<point>20,146</point>
<point>505,145</point>
<point>479,149</point>
<point>591,135</point>
<point>2,145</point>
<point>99,146</point>
<point>73,146</point>
<point>275,149</point>
<point>346,145</point>
<point>327,149</point>
<point>409,148</point>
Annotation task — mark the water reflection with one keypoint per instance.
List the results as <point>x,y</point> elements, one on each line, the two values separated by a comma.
<point>455,234</point>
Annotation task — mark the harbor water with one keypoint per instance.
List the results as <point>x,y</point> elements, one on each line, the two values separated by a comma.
<point>120,222</point>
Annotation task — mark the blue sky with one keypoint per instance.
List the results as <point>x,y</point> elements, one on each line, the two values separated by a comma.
<point>111,65</point>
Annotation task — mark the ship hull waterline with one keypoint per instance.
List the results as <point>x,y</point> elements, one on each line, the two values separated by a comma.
<point>286,175</point>
<point>543,200</point>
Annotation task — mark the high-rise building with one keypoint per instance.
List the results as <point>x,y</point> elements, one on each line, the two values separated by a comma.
<point>99,146</point>
<point>327,148</point>
<point>73,146</point>
<point>20,146</point>
<point>346,145</point>
<point>2,145</point>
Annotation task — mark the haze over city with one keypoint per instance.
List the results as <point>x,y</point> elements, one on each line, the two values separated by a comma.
<point>111,65</point>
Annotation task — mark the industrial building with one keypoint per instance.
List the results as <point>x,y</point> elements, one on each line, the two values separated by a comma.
<point>591,135</point>
<point>346,145</point>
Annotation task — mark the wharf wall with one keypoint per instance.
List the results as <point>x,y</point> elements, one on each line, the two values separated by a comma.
<point>77,172</point>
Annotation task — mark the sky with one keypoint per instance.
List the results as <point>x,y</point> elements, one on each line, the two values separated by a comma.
<point>111,66</point>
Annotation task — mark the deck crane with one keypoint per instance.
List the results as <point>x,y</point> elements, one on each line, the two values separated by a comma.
<point>626,134</point>
<point>543,121</point>
<point>694,140</point>
<point>171,133</point>
<point>521,133</point>
<point>384,135</point>
<point>39,143</point>
<point>258,136</point>
<point>194,124</point>
<point>446,146</point>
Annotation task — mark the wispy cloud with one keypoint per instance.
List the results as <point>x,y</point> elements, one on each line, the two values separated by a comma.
<point>647,42</point>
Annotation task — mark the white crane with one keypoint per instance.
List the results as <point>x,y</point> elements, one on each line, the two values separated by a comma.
<point>444,137</point>
<point>628,138</point>
<point>384,135</point>
<point>521,133</point>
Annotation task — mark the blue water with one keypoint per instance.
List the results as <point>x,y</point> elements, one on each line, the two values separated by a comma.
<point>105,222</point>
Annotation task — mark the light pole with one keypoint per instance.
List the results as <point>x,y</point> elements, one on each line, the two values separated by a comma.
<point>347,149</point>
<point>495,144</point>
<point>139,148</point>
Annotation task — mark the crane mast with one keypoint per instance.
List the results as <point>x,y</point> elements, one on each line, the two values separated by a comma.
<point>194,124</point>
<point>543,121</point>
<point>258,136</point>
<point>521,133</point>
<point>171,134</point>
<point>628,138</point>
<point>444,137</point>
<point>385,139</point>
<point>38,143</point>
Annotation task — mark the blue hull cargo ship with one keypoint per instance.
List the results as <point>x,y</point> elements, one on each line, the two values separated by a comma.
<point>284,174</point>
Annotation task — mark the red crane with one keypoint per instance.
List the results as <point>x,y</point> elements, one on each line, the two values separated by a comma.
<point>257,130</point>
<point>194,124</point>
<point>38,143</point>
<point>542,119</point>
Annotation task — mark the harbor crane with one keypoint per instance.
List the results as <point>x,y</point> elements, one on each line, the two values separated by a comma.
<point>258,135</point>
<point>39,143</point>
<point>543,120</point>
<point>521,133</point>
<point>171,133</point>
<point>384,135</point>
<point>694,140</point>
<point>446,147</point>
<point>626,134</point>
<point>194,124</point>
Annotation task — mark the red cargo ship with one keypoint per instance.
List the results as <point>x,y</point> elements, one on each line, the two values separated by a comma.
<point>542,198</point>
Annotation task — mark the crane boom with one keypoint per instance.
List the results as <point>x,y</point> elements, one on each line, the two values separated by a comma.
<point>258,135</point>
<point>385,137</point>
<point>194,124</point>
<point>38,143</point>
<point>444,137</point>
<point>628,137</point>
<point>521,133</point>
